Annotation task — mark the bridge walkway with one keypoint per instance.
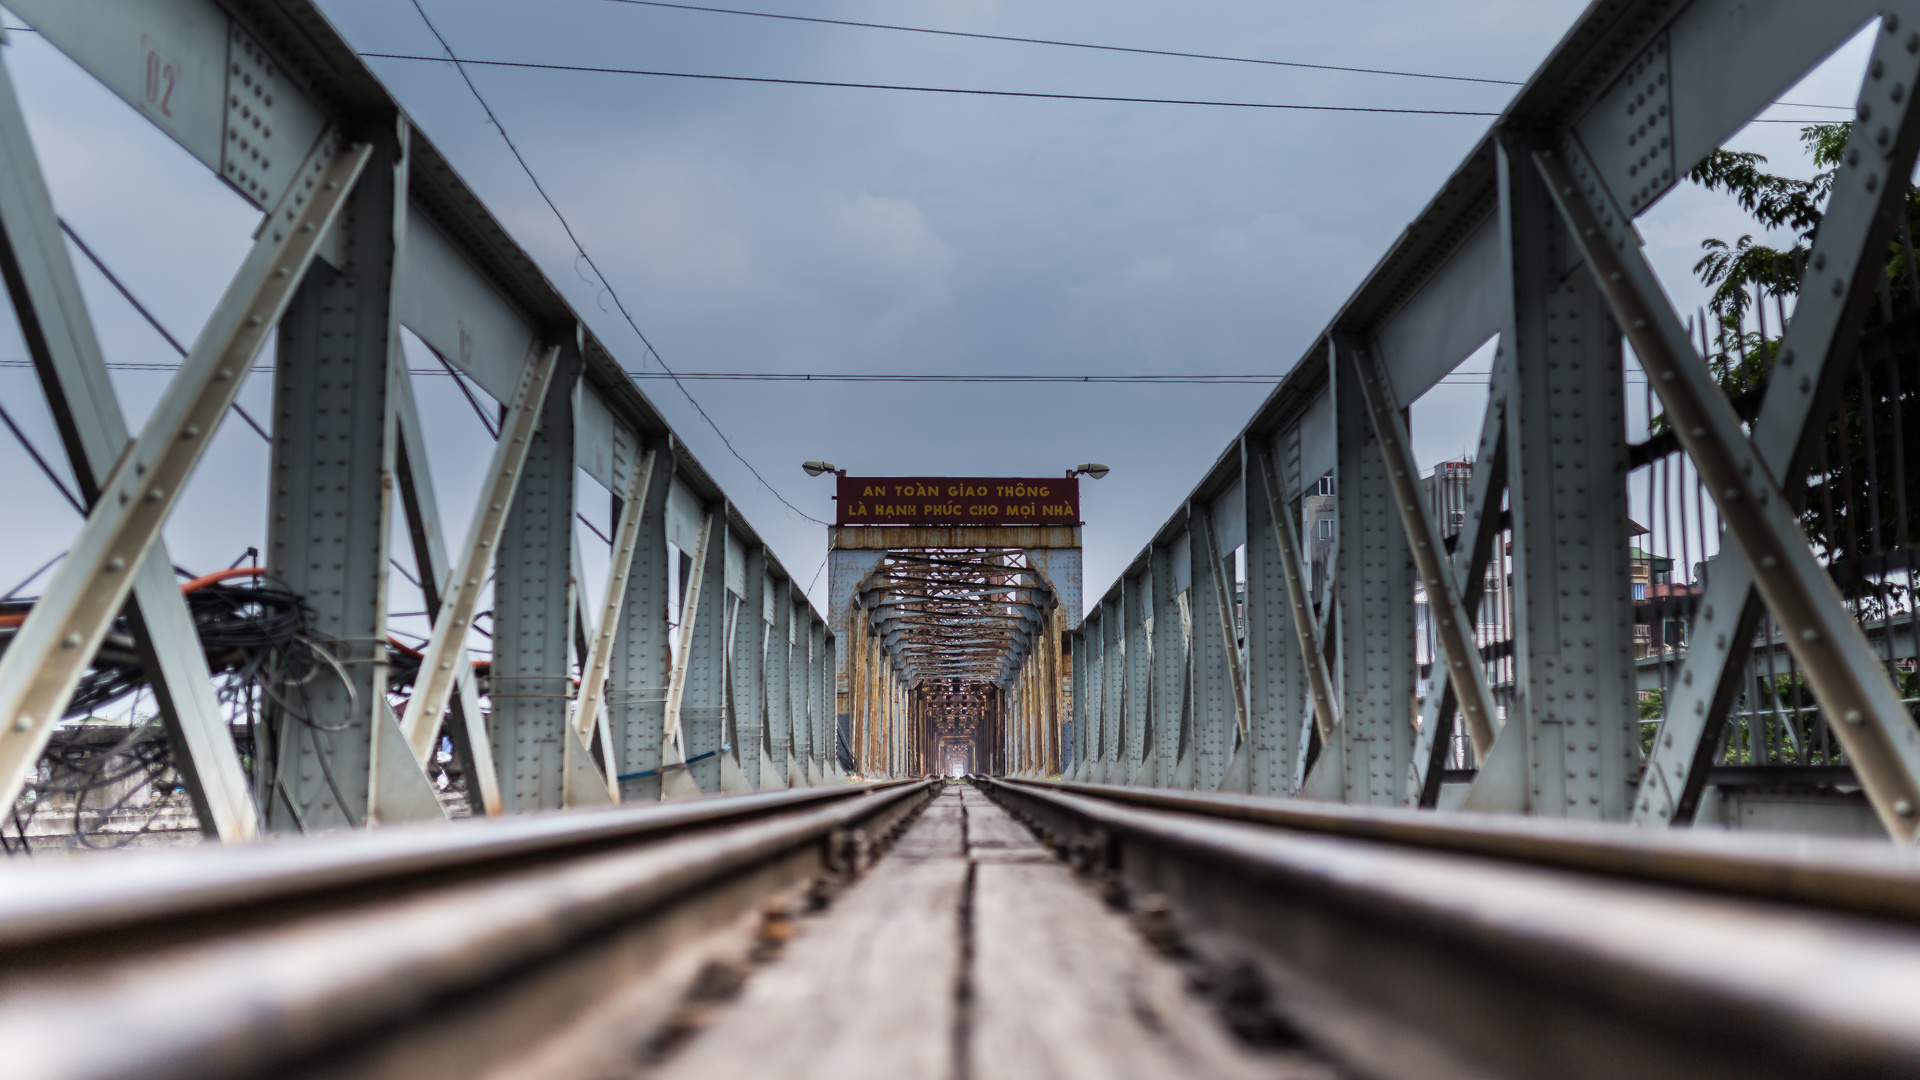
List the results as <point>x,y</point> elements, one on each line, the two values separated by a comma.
<point>971,950</point>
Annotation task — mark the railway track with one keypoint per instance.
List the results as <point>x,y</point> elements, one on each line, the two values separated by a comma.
<point>1310,939</point>
<point>1406,944</point>
<point>461,950</point>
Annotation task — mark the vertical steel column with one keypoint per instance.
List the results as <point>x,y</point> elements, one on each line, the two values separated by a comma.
<point>1169,668</point>
<point>328,509</point>
<point>1026,641</point>
<point>1136,605</point>
<point>1030,700</point>
<point>1112,686</point>
<point>852,673</point>
<point>1374,590</point>
<point>703,704</point>
<point>872,658</point>
<point>1015,738</point>
<point>532,626</point>
<point>1572,593</point>
<point>818,731</point>
<point>803,745</point>
<point>823,726</point>
<point>1022,739</point>
<point>780,653</point>
<point>1077,659</point>
<point>891,702</point>
<point>1214,708</point>
<point>1276,681</point>
<point>749,670</point>
<point>1023,709</point>
<point>1095,713</point>
<point>1055,691</point>
<point>642,661</point>
<point>1036,707</point>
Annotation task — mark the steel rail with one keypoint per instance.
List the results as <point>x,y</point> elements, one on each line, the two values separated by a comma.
<point>1415,945</point>
<point>352,954</point>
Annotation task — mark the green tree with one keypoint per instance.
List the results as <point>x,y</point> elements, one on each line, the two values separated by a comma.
<point>1847,486</point>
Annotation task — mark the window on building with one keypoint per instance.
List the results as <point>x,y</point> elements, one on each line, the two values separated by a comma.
<point>1326,485</point>
<point>1325,528</point>
<point>1639,591</point>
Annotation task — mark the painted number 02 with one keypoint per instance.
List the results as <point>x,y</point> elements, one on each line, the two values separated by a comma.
<point>160,80</point>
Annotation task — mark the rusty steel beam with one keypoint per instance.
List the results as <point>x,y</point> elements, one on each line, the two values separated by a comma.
<point>889,537</point>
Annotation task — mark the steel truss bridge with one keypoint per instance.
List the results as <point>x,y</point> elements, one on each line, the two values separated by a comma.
<point>1340,777</point>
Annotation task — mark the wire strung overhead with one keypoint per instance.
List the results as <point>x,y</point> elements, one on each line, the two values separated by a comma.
<point>1062,44</point>
<point>1108,378</point>
<point>127,294</point>
<point>459,65</point>
<point>1123,48</point>
<point>1067,44</point>
<point>964,91</point>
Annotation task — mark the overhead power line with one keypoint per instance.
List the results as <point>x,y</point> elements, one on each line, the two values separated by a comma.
<point>1071,45</point>
<point>1068,44</point>
<point>965,91</point>
<point>34,453</point>
<point>1124,48</point>
<point>127,294</point>
<point>1070,378</point>
<point>459,65</point>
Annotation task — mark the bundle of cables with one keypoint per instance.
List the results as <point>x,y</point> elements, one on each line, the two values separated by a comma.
<point>254,634</point>
<point>244,630</point>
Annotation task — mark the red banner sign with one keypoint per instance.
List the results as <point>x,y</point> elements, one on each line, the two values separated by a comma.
<point>957,500</point>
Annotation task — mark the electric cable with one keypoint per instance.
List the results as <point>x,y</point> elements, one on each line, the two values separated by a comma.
<point>127,294</point>
<point>29,578</point>
<point>1067,44</point>
<point>459,66</point>
<point>964,91</point>
<point>1102,48</point>
<point>34,452</point>
<point>1119,48</point>
<point>485,420</point>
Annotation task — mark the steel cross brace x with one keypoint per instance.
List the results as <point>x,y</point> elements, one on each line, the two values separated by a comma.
<point>673,747</point>
<point>1306,632</point>
<point>1853,236</point>
<point>57,641</point>
<point>1467,677</point>
<point>1202,519</point>
<point>1881,740</point>
<point>459,593</point>
<point>593,676</point>
<point>415,483</point>
<point>59,335</point>
<point>1464,571</point>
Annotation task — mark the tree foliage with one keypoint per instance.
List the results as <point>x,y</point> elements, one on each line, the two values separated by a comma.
<point>1842,500</point>
<point>1781,202</point>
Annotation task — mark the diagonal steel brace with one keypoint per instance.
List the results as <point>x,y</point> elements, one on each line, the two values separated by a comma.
<point>50,652</point>
<point>1880,738</point>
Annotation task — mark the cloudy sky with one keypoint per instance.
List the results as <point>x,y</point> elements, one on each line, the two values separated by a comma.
<point>753,227</point>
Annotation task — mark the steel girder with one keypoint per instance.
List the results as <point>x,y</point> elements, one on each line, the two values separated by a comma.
<point>366,229</point>
<point>1633,97</point>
